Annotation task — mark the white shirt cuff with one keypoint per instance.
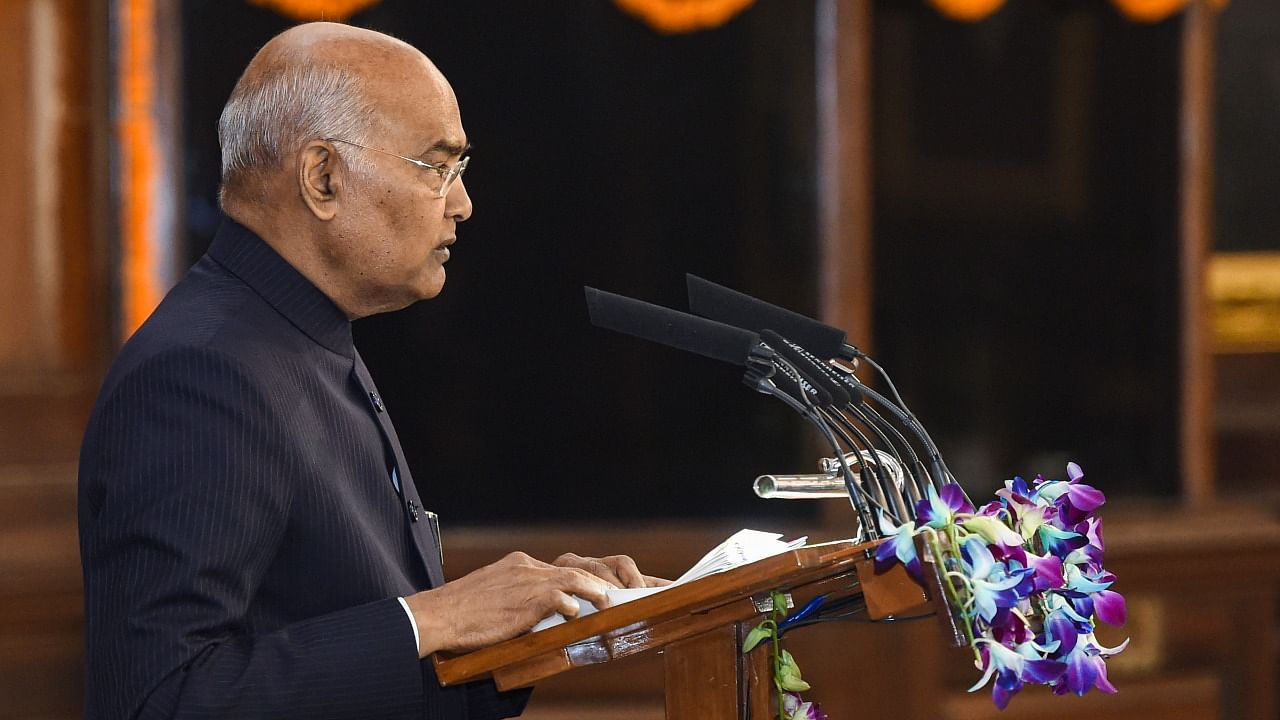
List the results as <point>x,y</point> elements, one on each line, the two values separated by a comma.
<point>417,642</point>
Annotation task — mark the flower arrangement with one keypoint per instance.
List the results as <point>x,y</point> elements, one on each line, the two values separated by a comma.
<point>1023,575</point>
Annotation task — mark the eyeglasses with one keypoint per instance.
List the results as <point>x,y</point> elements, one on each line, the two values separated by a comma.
<point>448,175</point>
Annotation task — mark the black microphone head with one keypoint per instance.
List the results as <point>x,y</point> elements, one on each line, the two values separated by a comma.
<point>786,379</point>
<point>741,310</point>
<point>808,369</point>
<point>670,327</point>
<point>850,383</point>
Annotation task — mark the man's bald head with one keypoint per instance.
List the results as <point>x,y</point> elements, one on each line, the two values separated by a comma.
<point>342,149</point>
<point>313,80</point>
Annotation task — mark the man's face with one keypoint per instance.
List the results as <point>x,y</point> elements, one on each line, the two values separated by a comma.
<point>397,231</point>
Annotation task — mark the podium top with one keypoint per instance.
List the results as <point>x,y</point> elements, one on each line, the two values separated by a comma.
<point>681,611</point>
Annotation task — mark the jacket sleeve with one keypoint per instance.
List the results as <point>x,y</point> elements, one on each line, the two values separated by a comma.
<point>184,499</point>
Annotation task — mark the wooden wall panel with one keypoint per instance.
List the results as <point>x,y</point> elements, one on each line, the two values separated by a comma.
<point>41,613</point>
<point>1196,235</point>
<point>52,274</point>
<point>17,281</point>
<point>54,336</point>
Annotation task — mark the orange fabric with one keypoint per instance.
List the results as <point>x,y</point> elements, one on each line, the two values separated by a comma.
<point>135,136</point>
<point>682,16</point>
<point>967,10</point>
<point>317,9</point>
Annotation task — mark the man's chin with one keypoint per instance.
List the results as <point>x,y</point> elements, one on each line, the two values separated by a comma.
<point>432,286</point>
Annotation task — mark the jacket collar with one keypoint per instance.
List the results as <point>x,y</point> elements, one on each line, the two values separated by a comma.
<point>248,257</point>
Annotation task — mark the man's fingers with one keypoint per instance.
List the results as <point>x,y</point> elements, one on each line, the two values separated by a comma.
<point>620,570</point>
<point>566,604</point>
<point>586,586</point>
<point>651,581</point>
<point>626,571</point>
<point>600,568</point>
<point>605,572</point>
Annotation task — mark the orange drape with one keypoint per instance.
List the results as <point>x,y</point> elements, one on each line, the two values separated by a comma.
<point>682,16</point>
<point>1156,10</point>
<point>135,130</point>
<point>336,10</point>
<point>1136,10</point>
<point>967,10</point>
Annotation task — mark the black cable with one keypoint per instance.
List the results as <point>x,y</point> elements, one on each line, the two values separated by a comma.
<point>840,424</point>
<point>906,510</point>
<point>933,448</point>
<point>875,419</point>
<point>805,407</point>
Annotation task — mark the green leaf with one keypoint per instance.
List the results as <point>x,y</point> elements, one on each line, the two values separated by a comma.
<point>758,634</point>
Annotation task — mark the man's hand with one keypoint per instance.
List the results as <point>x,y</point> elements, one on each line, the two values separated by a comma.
<point>505,599</point>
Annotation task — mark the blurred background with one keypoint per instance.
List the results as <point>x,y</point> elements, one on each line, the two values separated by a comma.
<point>1053,221</point>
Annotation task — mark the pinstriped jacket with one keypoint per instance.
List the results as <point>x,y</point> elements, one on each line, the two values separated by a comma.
<point>242,542</point>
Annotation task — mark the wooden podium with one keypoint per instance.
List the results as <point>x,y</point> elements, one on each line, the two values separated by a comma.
<point>699,627</point>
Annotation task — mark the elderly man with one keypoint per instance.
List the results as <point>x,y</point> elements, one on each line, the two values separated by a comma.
<point>253,542</point>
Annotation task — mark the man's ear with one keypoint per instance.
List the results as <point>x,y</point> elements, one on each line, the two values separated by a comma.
<point>320,176</point>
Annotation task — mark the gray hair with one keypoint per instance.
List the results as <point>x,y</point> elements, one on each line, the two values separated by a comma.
<point>275,113</point>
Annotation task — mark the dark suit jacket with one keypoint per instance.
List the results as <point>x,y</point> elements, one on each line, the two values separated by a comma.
<point>242,542</point>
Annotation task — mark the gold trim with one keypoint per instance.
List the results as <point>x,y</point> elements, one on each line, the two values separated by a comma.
<point>1244,291</point>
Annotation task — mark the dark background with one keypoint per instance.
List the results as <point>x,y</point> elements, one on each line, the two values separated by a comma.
<point>605,155</point>
<point>1025,250</point>
<point>1026,240</point>
<point>1247,171</point>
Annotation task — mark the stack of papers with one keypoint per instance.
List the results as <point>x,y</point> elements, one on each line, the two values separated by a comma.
<point>742,548</point>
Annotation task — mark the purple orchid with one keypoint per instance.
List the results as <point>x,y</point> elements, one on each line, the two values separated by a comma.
<point>1090,555</point>
<point>1089,597</point>
<point>1012,668</point>
<point>1087,667</point>
<point>1027,572</point>
<point>1060,542</point>
<point>1079,582</point>
<point>993,585</point>
<point>1091,528</point>
<point>1010,630</point>
<point>1110,607</point>
<point>898,547</point>
<point>1074,500</point>
<point>938,510</point>
<point>1016,491</point>
<point>1048,571</point>
<point>1064,626</point>
<point>796,708</point>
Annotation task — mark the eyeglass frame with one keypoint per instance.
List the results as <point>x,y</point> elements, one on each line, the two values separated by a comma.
<point>448,175</point>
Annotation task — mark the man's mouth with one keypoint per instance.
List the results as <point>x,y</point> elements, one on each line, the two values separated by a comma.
<point>442,249</point>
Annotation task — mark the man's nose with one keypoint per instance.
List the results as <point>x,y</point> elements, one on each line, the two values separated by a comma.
<point>458,202</point>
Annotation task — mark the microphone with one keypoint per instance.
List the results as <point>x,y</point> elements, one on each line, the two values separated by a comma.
<point>796,384</point>
<point>673,328</point>
<point>824,373</point>
<point>823,341</point>
<point>707,338</point>
<point>766,372</point>
<point>734,308</point>
<point>811,371</point>
<point>801,357</point>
